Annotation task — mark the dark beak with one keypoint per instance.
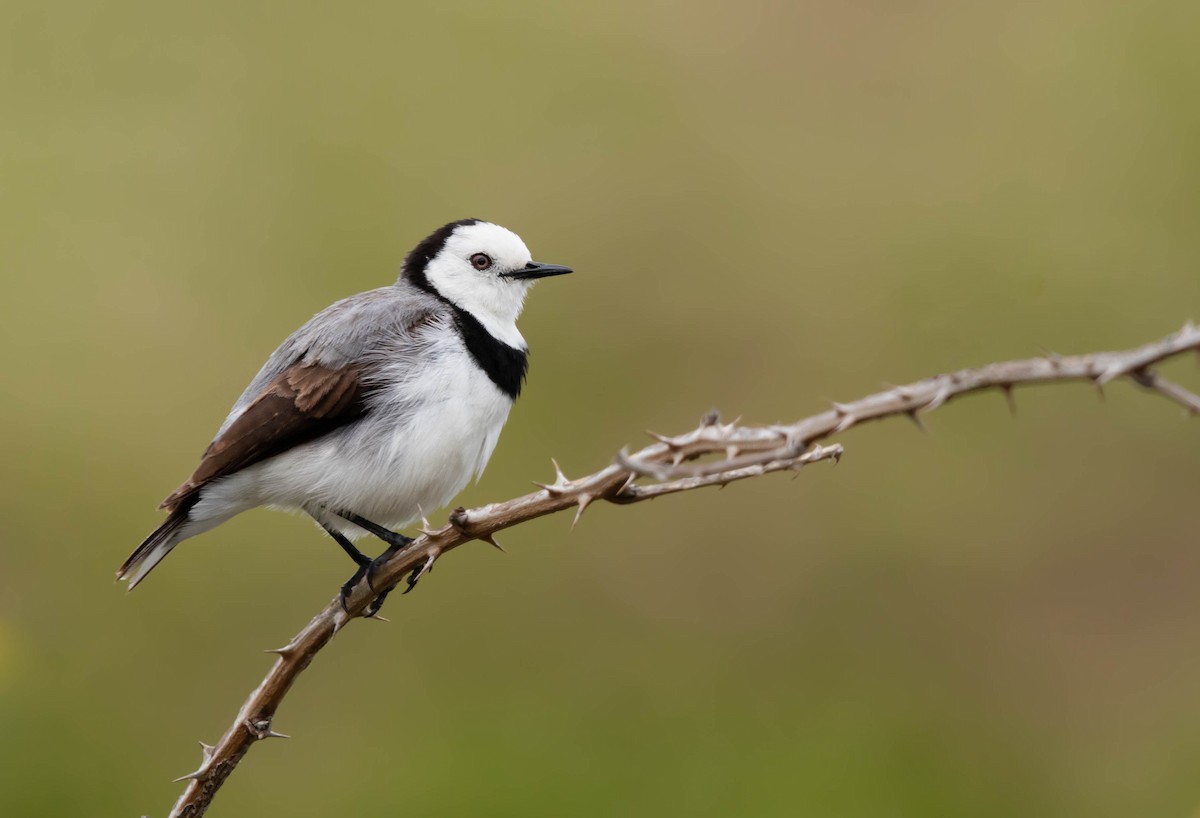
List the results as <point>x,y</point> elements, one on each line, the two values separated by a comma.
<point>535,270</point>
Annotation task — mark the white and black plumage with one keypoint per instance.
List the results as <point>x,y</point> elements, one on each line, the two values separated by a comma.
<point>381,406</point>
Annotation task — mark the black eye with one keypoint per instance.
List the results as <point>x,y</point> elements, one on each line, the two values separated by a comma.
<point>481,261</point>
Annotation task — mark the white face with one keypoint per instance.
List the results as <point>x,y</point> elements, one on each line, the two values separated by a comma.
<point>468,271</point>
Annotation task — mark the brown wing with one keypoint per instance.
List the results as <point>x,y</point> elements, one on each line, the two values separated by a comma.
<point>304,402</point>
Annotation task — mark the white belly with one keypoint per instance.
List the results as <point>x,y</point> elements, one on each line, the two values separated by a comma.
<point>417,447</point>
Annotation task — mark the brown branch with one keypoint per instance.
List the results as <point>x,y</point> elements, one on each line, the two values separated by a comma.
<point>673,464</point>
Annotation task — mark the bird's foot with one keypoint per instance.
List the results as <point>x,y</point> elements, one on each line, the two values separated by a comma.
<point>348,586</point>
<point>373,607</point>
<point>375,604</point>
<point>370,569</point>
<point>417,573</point>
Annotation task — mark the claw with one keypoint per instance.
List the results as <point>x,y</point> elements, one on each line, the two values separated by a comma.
<point>372,609</point>
<point>420,572</point>
<point>399,544</point>
<point>347,589</point>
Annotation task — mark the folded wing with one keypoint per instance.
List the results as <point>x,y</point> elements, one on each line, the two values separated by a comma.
<point>303,402</point>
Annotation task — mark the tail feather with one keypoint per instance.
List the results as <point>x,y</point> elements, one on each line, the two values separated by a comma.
<point>154,548</point>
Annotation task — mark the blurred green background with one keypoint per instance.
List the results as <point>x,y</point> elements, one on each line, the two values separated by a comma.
<point>770,205</point>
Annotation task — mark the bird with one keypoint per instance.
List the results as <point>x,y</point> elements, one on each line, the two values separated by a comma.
<point>383,405</point>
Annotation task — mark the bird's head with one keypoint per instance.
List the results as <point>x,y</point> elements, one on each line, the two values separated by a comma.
<point>481,267</point>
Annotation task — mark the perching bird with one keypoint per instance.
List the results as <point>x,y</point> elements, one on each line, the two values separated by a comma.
<point>382,405</point>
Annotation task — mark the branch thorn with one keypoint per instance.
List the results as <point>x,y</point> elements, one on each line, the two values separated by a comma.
<point>938,399</point>
<point>261,729</point>
<point>584,500</point>
<point>669,442</point>
<point>425,528</point>
<point>195,775</point>
<point>915,417</point>
<point>1007,389</point>
<point>560,479</point>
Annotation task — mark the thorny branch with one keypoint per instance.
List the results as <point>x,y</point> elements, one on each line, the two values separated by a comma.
<point>672,464</point>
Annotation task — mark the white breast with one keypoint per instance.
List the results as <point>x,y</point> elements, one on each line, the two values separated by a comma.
<point>429,430</point>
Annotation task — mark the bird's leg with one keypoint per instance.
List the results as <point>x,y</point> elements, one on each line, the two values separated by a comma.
<point>360,559</point>
<point>377,602</point>
<point>396,542</point>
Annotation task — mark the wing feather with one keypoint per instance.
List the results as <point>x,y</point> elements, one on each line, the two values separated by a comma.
<point>315,382</point>
<point>302,403</point>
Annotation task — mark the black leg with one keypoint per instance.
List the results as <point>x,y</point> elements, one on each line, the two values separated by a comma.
<point>393,539</point>
<point>367,566</point>
<point>360,559</point>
